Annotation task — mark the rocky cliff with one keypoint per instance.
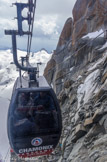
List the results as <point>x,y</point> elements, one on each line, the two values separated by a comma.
<point>78,73</point>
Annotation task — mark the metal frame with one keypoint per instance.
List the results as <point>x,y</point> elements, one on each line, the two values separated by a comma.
<point>13,33</point>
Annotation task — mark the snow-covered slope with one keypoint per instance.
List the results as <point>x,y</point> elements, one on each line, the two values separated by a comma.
<point>8,75</point>
<point>94,34</point>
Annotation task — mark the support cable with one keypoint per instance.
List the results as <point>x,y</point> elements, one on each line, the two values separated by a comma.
<point>101,3</point>
<point>74,54</point>
<point>30,36</point>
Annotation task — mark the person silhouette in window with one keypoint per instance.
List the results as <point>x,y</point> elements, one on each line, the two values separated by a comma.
<point>22,124</point>
<point>44,103</point>
<point>23,99</point>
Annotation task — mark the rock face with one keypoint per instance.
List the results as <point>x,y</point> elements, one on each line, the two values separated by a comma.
<point>79,9</point>
<point>50,67</point>
<point>86,15</point>
<point>66,33</point>
<point>79,78</point>
<point>80,82</point>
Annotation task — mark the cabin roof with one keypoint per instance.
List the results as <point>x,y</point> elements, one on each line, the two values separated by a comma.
<point>25,82</point>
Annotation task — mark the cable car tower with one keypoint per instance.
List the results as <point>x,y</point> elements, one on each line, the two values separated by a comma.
<point>34,118</point>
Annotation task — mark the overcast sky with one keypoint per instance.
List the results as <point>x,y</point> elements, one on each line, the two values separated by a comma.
<point>49,20</point>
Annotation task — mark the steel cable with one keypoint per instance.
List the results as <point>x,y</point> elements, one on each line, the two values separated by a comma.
<point>74,54</point>
<point>31,30</point>
<point>101,3</point>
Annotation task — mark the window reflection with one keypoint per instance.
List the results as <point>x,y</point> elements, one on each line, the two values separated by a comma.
<point>34,111</point>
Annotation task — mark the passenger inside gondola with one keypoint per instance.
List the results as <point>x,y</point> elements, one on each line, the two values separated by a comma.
<point>44,103</point>
<point>34,112</point>
<point>22,125</point>
<point>23,99</point>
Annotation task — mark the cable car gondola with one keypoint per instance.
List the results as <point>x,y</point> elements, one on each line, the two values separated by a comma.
<point>34,119</point>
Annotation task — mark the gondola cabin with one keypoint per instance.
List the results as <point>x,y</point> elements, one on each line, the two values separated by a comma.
<point>34,119</point>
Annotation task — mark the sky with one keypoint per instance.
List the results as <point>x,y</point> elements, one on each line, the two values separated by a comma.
<point>50,17</point>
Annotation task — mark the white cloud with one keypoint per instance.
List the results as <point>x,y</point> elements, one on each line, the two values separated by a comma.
<point>7,24</point>
<point>50,17</point>
<point>47,24</point>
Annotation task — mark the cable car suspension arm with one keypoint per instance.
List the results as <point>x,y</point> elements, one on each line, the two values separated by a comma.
<point>20,6</point>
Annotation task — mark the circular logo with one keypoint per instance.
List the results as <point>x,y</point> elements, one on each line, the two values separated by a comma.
<point>36,141</point>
